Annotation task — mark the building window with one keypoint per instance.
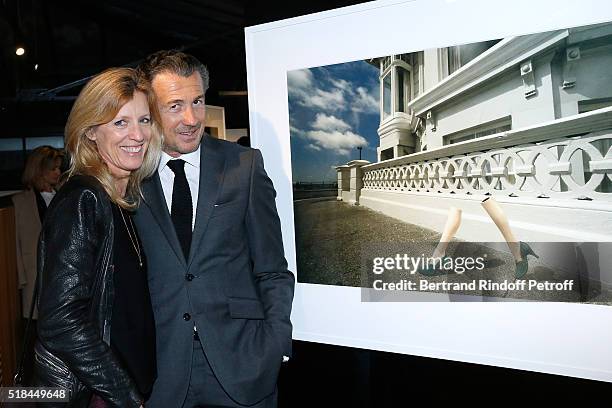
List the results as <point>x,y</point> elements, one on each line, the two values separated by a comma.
<point>386,154</point>
<point>403,89</point>
<point>385,63</point>
<point>454,59</point>
<point>593,104</point>
<point>386,95</point>
<point>415,63</point>
<point>485,129</point>
<point>460,55</point>
<point>398,82</point>
<point>404,150</point>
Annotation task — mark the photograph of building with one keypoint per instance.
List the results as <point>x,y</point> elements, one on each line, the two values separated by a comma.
<point>524,120</point>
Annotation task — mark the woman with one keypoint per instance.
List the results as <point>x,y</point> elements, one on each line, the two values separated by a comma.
<point>96,330</point>
<point>40,176</point>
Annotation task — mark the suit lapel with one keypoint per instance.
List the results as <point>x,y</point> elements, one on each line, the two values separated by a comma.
<point>212,172</point>
<point>154,199</point>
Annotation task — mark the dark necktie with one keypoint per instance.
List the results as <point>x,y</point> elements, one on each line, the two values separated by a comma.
<point>182,208</point>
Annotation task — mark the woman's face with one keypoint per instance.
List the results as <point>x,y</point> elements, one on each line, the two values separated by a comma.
<point>52,174</point>
<point>122,142</point>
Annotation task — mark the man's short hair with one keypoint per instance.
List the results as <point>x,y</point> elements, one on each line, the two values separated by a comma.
<point>175,62</point>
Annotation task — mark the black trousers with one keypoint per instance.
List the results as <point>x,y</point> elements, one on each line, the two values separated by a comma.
<point>205,391</point>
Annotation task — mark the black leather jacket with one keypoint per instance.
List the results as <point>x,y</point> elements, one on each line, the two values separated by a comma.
<point>75,269</point>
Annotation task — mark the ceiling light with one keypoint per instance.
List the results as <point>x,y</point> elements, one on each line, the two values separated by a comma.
<point>20,51</point>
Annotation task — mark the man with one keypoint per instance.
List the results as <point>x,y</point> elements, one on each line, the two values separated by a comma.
<point>219,283</point>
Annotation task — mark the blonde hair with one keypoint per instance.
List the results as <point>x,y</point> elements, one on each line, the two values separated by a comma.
<point>42,158</point>
<point>98,103</point>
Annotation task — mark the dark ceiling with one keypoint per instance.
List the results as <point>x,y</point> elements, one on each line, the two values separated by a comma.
<point>67,41</point>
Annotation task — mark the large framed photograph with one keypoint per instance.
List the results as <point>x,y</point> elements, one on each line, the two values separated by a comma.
<point>401,162</point>
<point>444,175</point>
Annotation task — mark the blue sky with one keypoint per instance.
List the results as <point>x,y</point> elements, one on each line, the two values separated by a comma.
<point>332,111</point>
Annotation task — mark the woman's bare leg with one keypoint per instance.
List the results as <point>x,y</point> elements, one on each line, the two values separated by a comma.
<point>499,218</point>
<point>450,229</point>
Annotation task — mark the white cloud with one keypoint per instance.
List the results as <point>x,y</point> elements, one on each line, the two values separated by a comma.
<point>313,147</point>
<point>300,86</point>
<point>328,100</point>
<point>365,102</point>
<point>341,83</point>
<point>340,96</point>
<point>297,132</point>
<point>299,79</point>
<point>329,123</point>
<point>333,100</point>
<point>340,142</point>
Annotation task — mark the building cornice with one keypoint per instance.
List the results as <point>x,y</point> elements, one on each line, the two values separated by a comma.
<point>505,55</point>
<point>590,122</point>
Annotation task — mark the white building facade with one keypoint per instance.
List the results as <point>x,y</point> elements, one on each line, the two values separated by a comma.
<point>525,119</point>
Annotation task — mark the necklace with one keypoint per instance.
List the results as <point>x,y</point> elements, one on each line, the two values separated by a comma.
<point>134,240</point>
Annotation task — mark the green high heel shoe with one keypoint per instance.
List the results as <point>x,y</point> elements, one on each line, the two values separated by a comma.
<point>523,264</point>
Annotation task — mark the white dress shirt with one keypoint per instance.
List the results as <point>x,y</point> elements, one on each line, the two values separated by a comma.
<point>192,171</point>
<point>47,196</point>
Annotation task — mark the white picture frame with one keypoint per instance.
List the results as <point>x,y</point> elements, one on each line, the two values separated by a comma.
<point>558,338</point>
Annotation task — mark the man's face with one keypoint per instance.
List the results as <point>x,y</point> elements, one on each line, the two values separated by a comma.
<point>180,101</point>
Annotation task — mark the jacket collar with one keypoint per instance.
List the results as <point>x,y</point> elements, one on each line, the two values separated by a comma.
<point>212,172</point>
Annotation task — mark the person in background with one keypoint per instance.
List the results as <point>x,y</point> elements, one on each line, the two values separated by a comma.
<point>244,141</point>
<point>96,334</point>
<point>40,177</point>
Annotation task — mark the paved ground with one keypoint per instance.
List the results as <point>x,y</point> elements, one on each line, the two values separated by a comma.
<point>335,242</point>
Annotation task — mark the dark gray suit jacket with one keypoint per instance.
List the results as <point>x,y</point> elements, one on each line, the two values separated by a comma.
<point>235,286</point>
